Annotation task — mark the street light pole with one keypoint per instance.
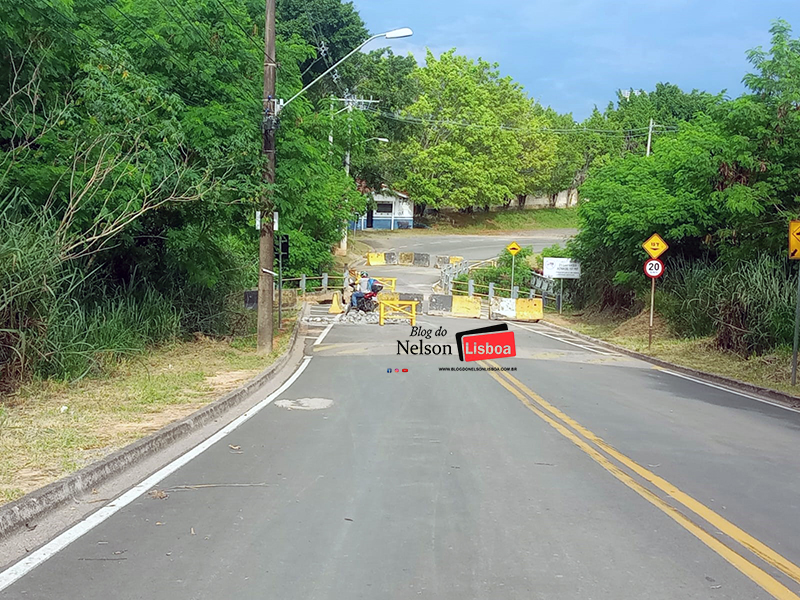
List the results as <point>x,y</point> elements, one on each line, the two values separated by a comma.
<point>267,235</point>
<point>389,35</point>
<point>269,126</point>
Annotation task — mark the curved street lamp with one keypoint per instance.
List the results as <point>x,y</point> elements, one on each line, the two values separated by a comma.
<point>389,35</point>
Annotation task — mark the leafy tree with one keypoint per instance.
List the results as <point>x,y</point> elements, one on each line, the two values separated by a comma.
<point>330,23</point>
<point>467,153</point>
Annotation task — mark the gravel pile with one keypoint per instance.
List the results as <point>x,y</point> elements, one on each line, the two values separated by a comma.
<point>355,317</point>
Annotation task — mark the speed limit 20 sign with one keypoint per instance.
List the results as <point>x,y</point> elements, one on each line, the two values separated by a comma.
<point>654,268</point>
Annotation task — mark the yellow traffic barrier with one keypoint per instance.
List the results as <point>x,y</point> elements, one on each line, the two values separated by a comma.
<point>389,283</point>
<point>336,305</point>
<point>529,309</point>
<point>405,258</point>
<point>464,306</point>
<point>456,259</point>
<point>405,308</point>
<point>376,258</point>
<point>392,296</point>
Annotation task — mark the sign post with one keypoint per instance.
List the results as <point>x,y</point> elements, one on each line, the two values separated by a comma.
<point>794,254</point>
<point>513,248</point>
<point>655,246</point>
<point>561,268</point>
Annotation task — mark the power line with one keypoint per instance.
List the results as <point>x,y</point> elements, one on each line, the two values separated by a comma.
<point>177,5</point>
<point>255,44</point>
<point>431,120</point>
<point>323,52</point>
<point>166,49</point>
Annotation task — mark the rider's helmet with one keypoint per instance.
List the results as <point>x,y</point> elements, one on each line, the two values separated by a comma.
<point>364,274</point>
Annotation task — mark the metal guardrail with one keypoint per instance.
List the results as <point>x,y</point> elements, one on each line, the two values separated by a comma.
<point>469,288</point>
<point>308,284</point>
<point>450,272</point>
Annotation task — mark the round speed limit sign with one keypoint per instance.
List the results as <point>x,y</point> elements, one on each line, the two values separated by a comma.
<point>654,268</point>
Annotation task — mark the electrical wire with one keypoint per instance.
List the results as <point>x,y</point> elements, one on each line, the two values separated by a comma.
<point>255,44</point>
<point>637,132</point>
<point>176,4</point>
<point>166,49</point>
<point>49,16</point>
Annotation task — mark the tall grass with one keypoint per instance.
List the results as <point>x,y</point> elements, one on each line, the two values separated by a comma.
<point>81,338</point>
<point>48,325</point>
<point>748,305</point>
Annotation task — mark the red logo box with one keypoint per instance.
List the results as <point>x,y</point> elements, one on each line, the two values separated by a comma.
<point>489,345</point>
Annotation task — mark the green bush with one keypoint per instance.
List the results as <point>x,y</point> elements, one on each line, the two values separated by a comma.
<point>748,306</point>
<point>501,274</point>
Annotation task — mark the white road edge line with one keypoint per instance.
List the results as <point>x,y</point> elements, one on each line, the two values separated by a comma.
<point>700,381</point>
<point>323,334</point>
<point>36,558</point>
<point>729,390</point>
<point>558,339</point>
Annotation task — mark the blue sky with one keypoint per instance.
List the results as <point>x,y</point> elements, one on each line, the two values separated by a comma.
<point>573,54</point>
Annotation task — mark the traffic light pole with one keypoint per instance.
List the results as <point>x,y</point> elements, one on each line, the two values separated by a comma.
<point>267,235</point>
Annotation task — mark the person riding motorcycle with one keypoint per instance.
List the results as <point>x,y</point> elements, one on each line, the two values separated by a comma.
<point>362,286</point>
<point>366,286</point>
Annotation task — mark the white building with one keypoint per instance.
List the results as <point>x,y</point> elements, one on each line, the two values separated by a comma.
<point>392,211</point>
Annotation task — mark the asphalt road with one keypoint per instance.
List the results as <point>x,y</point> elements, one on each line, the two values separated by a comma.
<point>470,247</point>
<point>463,485</point>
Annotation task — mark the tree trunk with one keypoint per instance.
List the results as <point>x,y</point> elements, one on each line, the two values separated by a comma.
<point>521,199</point>
<point>552,200</point>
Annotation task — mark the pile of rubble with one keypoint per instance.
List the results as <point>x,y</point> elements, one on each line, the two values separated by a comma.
<point>359,318</point>
<point>354,318</point>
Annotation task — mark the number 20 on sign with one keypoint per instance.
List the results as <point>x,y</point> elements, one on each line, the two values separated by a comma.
<point>653,268</point>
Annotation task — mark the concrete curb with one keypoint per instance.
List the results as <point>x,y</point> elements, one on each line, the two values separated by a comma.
<point>38,503</point>
<point>735,384</point>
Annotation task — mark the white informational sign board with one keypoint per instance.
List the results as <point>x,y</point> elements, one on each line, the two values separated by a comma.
<point>562,268</point>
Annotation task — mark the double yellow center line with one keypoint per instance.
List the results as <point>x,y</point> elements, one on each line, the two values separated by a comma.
<point>605,455</point>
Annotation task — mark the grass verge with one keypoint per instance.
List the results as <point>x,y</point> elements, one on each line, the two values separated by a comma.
<point>507,220</point>
<point>51,429</point>
<point>482,223</point>
<point>770,370</point>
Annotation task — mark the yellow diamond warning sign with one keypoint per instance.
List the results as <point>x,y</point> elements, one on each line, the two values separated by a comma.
<point>655,246</point>
<point>513,248</point>
<point>794,240</point>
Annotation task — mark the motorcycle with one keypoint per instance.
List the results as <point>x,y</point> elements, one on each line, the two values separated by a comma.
<point>367,302</point>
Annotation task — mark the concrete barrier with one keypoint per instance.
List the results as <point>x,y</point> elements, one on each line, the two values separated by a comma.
<point>503,308</point>
<point>409,296</point>
<point>529,309</point>
<point>517,309</point>
<point>422,260</point>
<point>409,259</point>
<point>440,303</point>
<point>464,306</point>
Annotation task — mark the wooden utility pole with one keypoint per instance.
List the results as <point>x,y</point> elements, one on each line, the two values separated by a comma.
<point>267,236</point>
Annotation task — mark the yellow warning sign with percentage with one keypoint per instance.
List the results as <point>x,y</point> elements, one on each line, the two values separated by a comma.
<point>513,248</point>
<point>794,240</point>
<point>655,246</point>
